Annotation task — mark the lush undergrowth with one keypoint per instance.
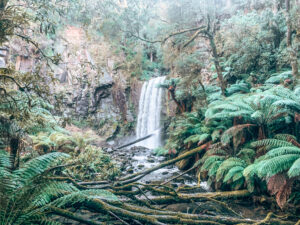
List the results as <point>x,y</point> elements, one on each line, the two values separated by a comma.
<point>251,139</point>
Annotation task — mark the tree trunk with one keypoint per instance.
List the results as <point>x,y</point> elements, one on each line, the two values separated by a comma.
<point>14,146</point>
<point>292,51</point>
<point>217,63</point>
<point>180,106</point>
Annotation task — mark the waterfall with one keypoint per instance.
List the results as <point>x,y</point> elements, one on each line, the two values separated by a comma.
<point>149,113</point>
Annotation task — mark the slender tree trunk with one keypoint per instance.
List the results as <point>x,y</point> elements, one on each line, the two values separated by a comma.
<point>14,147</point>
<point>261,133</point>
<point>217,63</point>
<point>204,91</point>
<point>293,53</point>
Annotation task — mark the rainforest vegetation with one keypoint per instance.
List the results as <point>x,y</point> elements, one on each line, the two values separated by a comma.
<point>71,80</point>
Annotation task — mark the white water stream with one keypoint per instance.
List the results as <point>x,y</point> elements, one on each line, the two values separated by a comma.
<point>149,113</point>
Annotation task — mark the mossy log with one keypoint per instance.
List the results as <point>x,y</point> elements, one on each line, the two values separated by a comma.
<point>153,216</point>
<point>198,197</point>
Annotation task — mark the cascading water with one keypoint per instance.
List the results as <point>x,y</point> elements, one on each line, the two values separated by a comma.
<point>149,113</point>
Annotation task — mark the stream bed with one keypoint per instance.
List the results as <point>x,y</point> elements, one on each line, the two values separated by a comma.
<point>137,159</point>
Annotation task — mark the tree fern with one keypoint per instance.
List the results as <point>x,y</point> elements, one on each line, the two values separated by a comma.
<point>232,132</point>
<point>274,165</point>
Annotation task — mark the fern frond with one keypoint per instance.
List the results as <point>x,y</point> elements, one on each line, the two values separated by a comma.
<point>4,160</point>
<point>273,143</point>
<point>294,171</point>
<point>283,151</point>
<point>54,189</point>
<point>38,165</point>
<point>288,103</point>
<point>214,168</point>
<point>210,160</point>
<point>81,196</point>
<point>247,155</point>
<point>275,165</point>
<point>196,138</point>
<point>227,165</point>
<point>234,172</point>
<point>285,137</point>
<point>249,174</point>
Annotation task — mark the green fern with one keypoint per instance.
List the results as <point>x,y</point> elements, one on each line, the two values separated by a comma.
<point>196,138</point>
<point>234,174</point>
<point>275,165</point>
<point>285,137</point>
<point>26,194</point>
<point>214,168</point>
<point>279,78</point>
<point>294,171</point>
<point>283,151</point>
<point>247,155</point>
<point>210,160</point>
<point>227,165</point>
<point>271,143</point>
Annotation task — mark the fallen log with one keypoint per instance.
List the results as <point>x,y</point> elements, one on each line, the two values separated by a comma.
<point>134,142</point>
<point>200,197</point>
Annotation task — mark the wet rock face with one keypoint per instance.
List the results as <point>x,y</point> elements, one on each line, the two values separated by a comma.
<point>92,101</point>
<point>101,92</point>
<point>90,89</point>
<point>101,101</point>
